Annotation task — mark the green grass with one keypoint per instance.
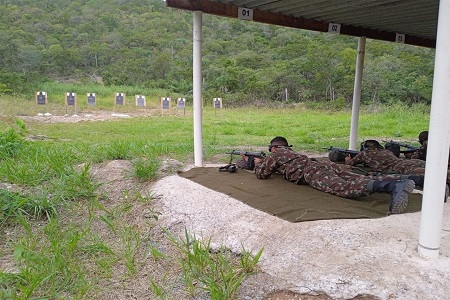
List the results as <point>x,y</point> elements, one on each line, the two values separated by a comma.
<point>213,270</point>
<point>172,136</point>
<point>58,254</point>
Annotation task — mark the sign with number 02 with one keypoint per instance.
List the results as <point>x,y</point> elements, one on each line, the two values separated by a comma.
<point>245,13</point>
<point>334,28</point>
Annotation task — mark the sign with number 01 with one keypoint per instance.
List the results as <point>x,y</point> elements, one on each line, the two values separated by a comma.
<point>334,28</point>
<point>245,13</point>
<point>399,38</point>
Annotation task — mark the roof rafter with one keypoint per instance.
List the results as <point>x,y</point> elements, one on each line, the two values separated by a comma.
<point>313,22</point>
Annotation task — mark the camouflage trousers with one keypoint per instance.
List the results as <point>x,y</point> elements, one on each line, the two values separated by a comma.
<point>339,180</point>
<point>336,179</point>
<point>410,167</point>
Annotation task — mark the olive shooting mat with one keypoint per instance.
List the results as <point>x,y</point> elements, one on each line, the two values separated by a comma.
<point>291,202</point>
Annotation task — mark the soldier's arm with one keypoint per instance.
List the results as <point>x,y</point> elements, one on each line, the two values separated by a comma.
<point>357,159</point>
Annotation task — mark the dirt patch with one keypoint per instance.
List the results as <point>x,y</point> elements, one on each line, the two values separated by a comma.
<point>96,116</point>
<point>288,295</point>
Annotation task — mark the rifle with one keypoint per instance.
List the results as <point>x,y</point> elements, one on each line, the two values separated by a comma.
<point>395,147</point>
<point>250,155</point>
<point>337,154</point>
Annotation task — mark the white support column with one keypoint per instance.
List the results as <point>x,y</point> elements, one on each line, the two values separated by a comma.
<point>197,89</point>
<point>438,142</point>
<point>357,93</point>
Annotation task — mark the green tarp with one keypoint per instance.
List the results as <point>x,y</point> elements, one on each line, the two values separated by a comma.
<point>294,203</point>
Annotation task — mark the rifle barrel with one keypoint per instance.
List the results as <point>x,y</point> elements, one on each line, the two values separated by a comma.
<point>246,153</point>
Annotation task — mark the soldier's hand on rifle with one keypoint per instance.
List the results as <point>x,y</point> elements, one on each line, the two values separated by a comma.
<point>257,161</point>
<point>408,155</point>
<point>348,158</point>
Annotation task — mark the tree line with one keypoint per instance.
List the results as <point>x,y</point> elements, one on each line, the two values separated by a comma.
<point>144,43</point>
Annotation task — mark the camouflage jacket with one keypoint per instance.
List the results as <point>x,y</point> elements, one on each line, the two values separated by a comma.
<point>420,153</point>
<point>284,161</point>
<point>379,160</point>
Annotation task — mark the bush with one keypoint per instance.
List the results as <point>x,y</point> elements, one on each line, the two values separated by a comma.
<point>12,141</point>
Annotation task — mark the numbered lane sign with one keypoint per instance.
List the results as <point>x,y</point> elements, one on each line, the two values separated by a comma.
<point>399,38</point>
<point>334,28</point>
<point>245,13</point>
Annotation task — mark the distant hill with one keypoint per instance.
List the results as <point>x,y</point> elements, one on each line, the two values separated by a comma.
<point>144,43</point>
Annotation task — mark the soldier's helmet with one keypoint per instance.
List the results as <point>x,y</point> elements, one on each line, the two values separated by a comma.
<point>371,144</point>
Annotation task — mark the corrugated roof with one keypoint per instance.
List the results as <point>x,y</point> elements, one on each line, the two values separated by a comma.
<point>410,21</point>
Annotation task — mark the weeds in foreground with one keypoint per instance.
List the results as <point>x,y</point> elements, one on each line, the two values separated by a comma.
<point>48,264</point>
<point>13,205</point>
<point>219,272</point>
<point>146,169</point>
<point>131,242</point>
<point>11,140</point>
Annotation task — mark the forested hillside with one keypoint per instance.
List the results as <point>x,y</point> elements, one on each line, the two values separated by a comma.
<point>144,43</point>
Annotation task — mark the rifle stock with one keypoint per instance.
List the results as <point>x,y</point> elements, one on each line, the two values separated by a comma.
<point>250,164</point>
<point>337,154</point>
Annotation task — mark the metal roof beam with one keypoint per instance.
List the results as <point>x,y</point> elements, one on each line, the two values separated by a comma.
<point>226,10</point>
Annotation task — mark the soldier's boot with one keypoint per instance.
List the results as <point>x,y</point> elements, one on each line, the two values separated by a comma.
<point>419,181</point>
<point>398,189</point>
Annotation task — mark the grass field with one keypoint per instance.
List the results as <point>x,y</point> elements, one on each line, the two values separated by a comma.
<point>305,128</point>
<point>57,256</point>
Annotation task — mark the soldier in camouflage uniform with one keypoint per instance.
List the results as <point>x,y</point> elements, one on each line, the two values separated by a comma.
<point>381,160</point>
<point>327,176</point>
<point>420,153</point>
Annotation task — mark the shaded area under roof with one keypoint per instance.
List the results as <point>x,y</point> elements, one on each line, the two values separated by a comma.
<point>412,22</point>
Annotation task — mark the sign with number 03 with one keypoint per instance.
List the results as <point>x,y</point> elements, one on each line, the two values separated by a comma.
<point>334,28</point>
<point>399,38</point>
<point>245,13</point>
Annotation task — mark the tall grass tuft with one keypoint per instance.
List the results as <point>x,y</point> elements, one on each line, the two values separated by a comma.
<point>117,150</point>
<point>219,272</point>
<point>12,140</point>
<point>76,185</point>
<point>47,264</point>
<point>146,169</point>
<point>13,205</point>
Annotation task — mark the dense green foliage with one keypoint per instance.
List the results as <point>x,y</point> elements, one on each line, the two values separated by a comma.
<point>143,43</point>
